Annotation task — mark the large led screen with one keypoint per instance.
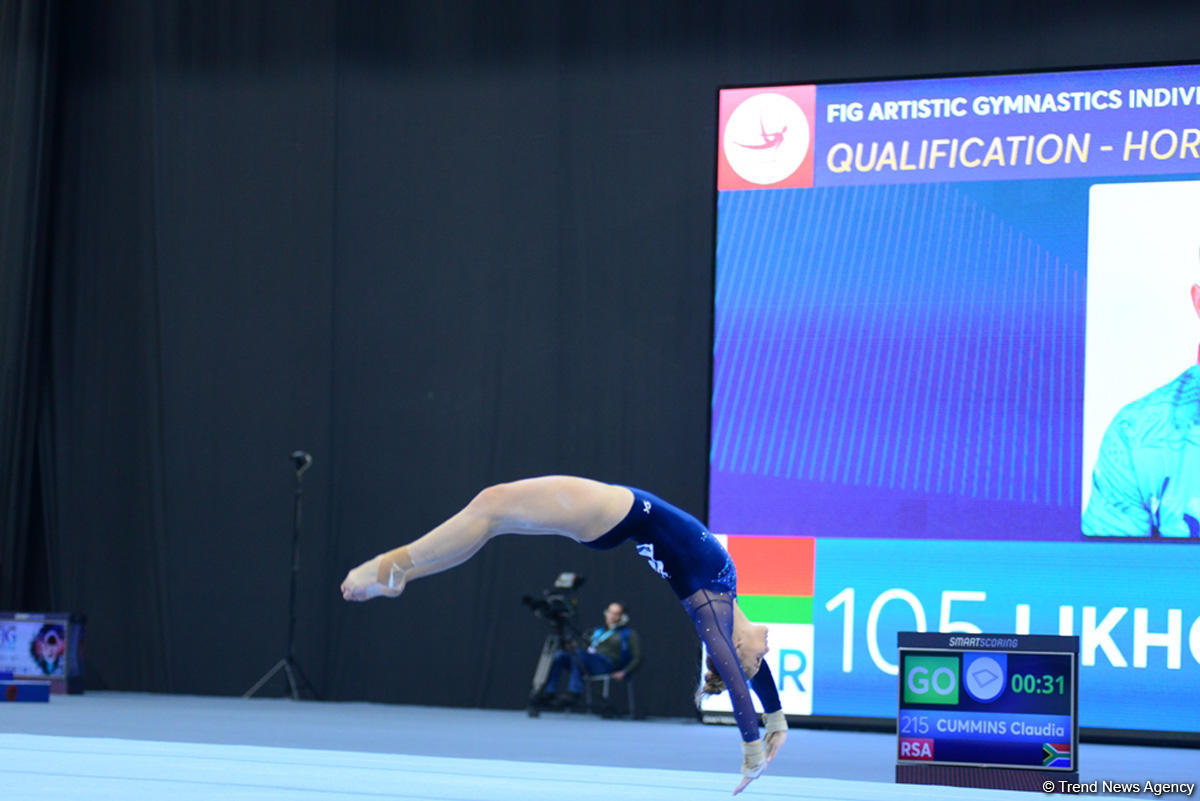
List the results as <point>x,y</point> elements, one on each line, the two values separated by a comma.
<point>955,381</point>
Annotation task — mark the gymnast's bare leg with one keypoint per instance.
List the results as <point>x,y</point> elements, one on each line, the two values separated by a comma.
<point>578,508</point>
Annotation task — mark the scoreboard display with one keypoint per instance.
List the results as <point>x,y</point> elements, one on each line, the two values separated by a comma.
<point>987,701</point>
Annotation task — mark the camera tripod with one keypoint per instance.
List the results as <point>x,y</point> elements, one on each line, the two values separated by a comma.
<point>564,637</point>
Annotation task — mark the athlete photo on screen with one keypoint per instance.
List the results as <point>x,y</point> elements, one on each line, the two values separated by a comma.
<point>1145,478</point>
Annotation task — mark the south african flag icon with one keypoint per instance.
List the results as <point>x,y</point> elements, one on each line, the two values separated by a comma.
<point>1056,755</point>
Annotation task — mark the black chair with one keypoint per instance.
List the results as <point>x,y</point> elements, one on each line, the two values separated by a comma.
<point>606,705</point>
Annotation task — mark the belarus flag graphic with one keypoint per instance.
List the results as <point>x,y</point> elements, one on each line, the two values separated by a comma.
<point>775,587</point>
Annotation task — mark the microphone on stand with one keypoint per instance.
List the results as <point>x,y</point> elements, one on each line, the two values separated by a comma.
<point>302,460</point>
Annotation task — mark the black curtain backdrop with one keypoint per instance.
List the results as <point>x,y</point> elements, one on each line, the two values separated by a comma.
<point>28,39</point>
<point>437,245</point>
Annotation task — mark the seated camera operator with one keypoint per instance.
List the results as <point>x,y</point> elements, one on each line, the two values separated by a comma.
<point>613,649</point>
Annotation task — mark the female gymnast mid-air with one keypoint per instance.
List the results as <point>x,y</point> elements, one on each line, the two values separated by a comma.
<point>602,516</point>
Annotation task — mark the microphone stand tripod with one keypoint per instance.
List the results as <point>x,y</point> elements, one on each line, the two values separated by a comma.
<point>302,461</point>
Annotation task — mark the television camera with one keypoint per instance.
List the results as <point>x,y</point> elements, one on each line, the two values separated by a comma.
<point>558,606</point>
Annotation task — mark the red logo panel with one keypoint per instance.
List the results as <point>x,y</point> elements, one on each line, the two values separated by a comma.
<point>766,138</point>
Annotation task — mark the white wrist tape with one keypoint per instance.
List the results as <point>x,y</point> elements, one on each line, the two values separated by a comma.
<point>754,759</point>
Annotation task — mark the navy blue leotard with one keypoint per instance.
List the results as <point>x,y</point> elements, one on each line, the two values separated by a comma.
<point>680,549</point>
<point>677,546</point>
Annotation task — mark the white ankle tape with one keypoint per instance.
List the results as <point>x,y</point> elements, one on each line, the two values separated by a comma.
<point>391,568</point>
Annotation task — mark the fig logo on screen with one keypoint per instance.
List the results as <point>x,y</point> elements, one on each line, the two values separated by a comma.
<point>766,139</point>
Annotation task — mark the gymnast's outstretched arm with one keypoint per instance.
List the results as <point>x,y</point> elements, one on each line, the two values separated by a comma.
<point>568,506</point>
<point>763,684</point>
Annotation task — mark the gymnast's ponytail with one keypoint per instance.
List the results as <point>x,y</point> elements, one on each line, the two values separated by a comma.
<point>713,683</point>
